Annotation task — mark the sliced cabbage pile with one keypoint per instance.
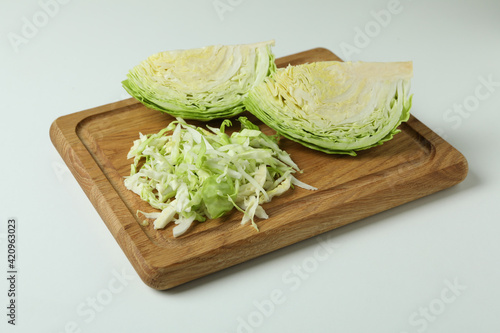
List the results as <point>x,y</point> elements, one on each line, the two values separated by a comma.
<point>204,83</point>
<point>335,107</point>
<point>191,173</point>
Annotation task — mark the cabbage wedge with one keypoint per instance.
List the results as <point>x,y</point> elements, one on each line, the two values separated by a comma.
<point>204,83</point>
<point>335,107</point>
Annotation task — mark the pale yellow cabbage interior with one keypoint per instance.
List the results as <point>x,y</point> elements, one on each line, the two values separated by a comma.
<point>200,70</point>
<point>340,93</point>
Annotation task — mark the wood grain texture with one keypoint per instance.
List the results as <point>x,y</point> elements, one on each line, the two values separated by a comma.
<point>94,144</point>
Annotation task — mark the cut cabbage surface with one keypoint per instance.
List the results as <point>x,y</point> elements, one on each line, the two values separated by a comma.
<point>190,173</point>
<point>335,107</point>
<point>204,83</point>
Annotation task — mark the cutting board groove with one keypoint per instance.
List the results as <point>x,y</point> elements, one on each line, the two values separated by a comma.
<point>94,144</point>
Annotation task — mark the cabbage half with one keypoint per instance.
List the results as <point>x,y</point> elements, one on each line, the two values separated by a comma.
<point>204,83</point>
<point>335,107</point>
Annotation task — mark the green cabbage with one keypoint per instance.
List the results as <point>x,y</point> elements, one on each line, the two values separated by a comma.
<point>190,173</point>
<point>335,107</point>
<point>204,83</point>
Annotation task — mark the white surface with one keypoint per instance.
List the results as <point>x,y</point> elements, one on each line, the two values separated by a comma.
<point>388,273</point>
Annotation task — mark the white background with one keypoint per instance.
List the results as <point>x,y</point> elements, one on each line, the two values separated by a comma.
<point>432,265</point>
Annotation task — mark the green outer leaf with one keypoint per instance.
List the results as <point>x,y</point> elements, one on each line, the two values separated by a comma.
<point>215,196</point>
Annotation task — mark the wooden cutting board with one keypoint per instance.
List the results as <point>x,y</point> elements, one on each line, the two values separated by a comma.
<point>94,144</point>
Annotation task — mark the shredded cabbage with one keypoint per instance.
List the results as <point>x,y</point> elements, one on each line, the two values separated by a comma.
<point>191,173</point>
